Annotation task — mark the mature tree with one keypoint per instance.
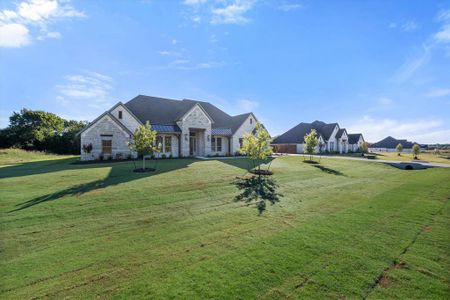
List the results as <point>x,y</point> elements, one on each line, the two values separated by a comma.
<point>34,129</point>
<point>257,146</point>
<point>144,142</point>
<point>364,148</point>
<point>311,142</point>
<point>415,151</point>
<point>399,148</point>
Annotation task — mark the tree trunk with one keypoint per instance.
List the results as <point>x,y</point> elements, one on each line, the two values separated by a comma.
<point>143,162</point>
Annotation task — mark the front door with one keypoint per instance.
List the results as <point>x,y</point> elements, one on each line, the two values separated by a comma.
<point>192,144</point>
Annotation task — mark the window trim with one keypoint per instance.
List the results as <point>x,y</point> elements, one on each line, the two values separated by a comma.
<point>106,147</point>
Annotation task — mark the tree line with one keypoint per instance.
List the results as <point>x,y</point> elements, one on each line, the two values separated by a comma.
<point>42,131</point>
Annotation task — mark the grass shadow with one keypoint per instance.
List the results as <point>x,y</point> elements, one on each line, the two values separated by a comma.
<point>119,173</point>
<point>258,190</point>
<point>329,170</point>
<point>245,163</point>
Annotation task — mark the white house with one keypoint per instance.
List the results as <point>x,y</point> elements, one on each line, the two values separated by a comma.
<point>355,141</point>
<point>332,138</point>
<point>389,144</point>
<point>184,127</point>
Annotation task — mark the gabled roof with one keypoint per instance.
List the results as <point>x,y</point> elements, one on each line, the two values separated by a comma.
<point>114,119</point>
<point>341,132</point>
<point>390,142</point>
<point>169,111</point>
<point>353,138</point>
<point>296,134</point>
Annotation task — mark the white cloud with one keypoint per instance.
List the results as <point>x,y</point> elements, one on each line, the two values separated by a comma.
<point>289,7</point>
<point>89,89</point>
<point>421,131</point>
<point>194,2</point>
<point>232,14</point>
<point>219,11</point>
<point>247,105</point>
<point>14,35</point>
<point>409,26</point>
<point>33,16</point>
<point>412,64</point>
<point>437,92</point>
<point>384,101</point>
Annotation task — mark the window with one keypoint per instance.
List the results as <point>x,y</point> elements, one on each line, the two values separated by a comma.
<point>219,144</point>
<point>106,146</point>
<point>159,142</point>
<point>167,144</point>
<point>331,146</point>
<point>120,114</point>
<point>216,144</point>
<point>251,121</point>
<point>241,142</point>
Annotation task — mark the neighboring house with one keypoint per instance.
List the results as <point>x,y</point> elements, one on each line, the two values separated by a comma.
<point>355,141</point>
<point>184,127</point>
<point>389,144</point>
<point>332,138</point>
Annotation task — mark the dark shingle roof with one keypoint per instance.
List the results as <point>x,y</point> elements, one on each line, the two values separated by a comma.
<point>168,111</point>
<point>296,135</point>
<point>340,133</point>
<point>391,143</point>
<point>353,138</point>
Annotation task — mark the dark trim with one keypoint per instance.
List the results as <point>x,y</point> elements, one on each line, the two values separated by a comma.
<point>107,135</point>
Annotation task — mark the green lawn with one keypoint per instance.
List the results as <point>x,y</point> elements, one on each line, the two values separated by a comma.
<point>349,230</point>
<point>427,157</point>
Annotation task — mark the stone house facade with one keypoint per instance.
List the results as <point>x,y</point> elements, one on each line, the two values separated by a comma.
<point>184,128</point>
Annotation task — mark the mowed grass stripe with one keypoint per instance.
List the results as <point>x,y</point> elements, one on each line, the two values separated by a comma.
<point>110,243</point>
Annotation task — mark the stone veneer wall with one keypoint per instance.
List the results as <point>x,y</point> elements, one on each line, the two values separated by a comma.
<point>196,119</point>
<point>93,136</point>
<point>246,127</point>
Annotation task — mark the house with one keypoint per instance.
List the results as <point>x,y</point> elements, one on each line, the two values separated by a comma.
<point>355,141</point>
<point>332,138</point>
<point>389,144</point>
<point>184,128</point>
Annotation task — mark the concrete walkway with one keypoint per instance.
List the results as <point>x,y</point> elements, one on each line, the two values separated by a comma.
<point>391,162</point>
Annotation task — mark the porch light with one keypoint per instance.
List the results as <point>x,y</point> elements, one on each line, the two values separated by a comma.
<point>208,137</point>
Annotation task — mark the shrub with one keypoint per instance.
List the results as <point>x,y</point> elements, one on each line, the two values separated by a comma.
<point>170,155</point>
<point>119,156</point>
<point>100,157</point>
<point>110,157</point>
<point>163,156</point>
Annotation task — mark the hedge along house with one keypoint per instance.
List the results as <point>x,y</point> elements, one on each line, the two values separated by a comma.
<point>332,138</point>
<point>184,128</point>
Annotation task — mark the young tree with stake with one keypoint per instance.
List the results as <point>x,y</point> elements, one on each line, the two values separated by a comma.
<point>257,146</point>
<point>399,149</point>
<point>144,142</point>
<point>311,142</point>
<point>415,151</point>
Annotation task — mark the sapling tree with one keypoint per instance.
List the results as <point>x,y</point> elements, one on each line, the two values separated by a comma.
<point>415,151</point>
<point>144,142</point>
<point>257,146</point>
<point>399,149</point>
<point>311,142</point>
<point>364,148</point>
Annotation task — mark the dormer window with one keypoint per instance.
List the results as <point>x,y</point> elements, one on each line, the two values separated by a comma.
<point>120,114</point>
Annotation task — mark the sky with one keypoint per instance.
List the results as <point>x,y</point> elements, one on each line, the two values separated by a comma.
<point>376,67</point>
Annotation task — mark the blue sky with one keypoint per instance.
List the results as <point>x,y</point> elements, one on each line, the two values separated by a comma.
<point>376,67</point>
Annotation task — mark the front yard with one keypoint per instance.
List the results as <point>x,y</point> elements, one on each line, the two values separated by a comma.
<point>348,230</point>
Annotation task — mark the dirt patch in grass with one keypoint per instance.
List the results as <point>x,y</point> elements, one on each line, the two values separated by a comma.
<point>384,281</point>
<point>399,265</point>
<point>427,229</point>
